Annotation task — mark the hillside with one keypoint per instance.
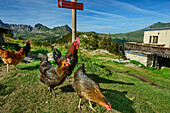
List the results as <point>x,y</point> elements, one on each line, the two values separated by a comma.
<point>137,36</point>
<point>43,33</point>
<point>128,89</point>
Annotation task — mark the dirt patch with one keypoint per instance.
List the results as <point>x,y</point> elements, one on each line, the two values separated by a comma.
<point>99,52</point>
<point>141,78</point>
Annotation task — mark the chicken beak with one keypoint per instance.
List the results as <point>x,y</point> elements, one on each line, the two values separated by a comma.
<point>108,107</point>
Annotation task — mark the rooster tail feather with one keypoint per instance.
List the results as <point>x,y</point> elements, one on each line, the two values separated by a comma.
<point>57,53</point>
<point>1,49</point>
<point>81,69</point>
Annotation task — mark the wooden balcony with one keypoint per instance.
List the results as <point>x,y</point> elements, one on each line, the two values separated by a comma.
<point>157,49</point>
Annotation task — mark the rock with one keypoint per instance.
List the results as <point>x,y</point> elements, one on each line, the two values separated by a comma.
<point>28,59</point>
<point>139,65</point>
<point>53,44</point>
<point>40,55</point>
<point>50,56</point>
<point>84,50</point>
<point>102,51</point>
<point>121,60</point>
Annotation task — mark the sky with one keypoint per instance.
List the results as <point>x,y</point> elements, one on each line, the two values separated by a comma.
<point>101,16</point>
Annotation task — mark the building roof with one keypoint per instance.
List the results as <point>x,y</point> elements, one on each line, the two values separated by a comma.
<point>156,29</point>
<point>4,27</point>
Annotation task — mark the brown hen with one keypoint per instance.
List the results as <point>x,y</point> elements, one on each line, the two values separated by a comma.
<point>10,57</point>
<point>88,89</point>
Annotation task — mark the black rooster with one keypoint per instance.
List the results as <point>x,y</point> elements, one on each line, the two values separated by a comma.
<point>26,48</point>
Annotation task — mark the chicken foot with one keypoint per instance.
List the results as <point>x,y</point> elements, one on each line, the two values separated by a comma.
<point>91,107</point>
<point>79,106</point>
<point>50,90</point>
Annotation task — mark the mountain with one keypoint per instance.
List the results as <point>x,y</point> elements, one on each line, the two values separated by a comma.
<point>3,24</point>
<point>39,31</point>
<point>43,33</point>
<point>137,36</point>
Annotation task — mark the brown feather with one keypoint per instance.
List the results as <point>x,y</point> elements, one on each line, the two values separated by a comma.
<point>88,89</point>
<point>12,57</point>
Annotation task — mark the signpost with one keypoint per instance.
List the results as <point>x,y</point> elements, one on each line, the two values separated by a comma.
<point>70,5</point>
<point>74,27</point>
<point>74,6</point>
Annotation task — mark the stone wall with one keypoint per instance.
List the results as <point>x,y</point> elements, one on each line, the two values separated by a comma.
<point>138,57</point>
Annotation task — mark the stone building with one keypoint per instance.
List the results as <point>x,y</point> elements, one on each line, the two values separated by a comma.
<point>154,50</point>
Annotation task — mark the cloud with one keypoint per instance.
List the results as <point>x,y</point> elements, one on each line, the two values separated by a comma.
<point>104,14</point>
<point>132,7</point>
<point>98,15</point>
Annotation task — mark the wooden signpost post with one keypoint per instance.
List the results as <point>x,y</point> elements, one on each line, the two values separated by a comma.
<point>74,6</point>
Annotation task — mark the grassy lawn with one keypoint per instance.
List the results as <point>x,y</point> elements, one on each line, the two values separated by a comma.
<point>22,91</point>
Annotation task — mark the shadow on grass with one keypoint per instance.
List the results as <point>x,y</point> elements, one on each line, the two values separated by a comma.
<point>4,90</point>
<point>31,67</point>
<point>118,100</point>
<point>103,80</point>
<point>67,88</point>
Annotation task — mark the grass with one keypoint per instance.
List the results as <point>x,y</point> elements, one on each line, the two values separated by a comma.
<point>22,91</point>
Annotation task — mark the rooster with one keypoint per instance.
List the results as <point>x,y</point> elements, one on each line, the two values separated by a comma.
<point>88,89</point>
<point>26,48</point>
<point>10,57</point>
<point>53,76</point>
<point>71,54</point>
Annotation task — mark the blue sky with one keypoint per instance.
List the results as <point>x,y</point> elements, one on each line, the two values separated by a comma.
<point>102,16</point>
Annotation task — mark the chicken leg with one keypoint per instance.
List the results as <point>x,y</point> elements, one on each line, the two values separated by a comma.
<point>68,79</point>
<point>16,68</point>
<point>50,90</point>
<point>91,107</point>
<point>79,106</point>
<point>8,67</point>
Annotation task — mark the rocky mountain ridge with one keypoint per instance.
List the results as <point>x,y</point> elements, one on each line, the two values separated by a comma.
<point>27,31</point>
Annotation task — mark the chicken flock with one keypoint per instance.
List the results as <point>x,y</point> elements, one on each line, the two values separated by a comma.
<point>53,76</point>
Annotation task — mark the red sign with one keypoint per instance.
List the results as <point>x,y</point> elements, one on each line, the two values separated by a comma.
<point>70,5</point>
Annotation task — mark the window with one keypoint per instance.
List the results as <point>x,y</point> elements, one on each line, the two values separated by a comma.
<point>155,39</point>
<point>150,39</point>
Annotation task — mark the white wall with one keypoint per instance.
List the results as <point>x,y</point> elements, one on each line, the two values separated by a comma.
<point>163,36</point>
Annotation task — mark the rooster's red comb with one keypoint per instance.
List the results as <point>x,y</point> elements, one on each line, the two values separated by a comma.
<point>78,40</point>
<point>29,41</point>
